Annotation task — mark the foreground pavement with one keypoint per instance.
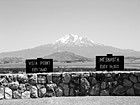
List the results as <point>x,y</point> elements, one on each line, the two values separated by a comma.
<point>88,100</point>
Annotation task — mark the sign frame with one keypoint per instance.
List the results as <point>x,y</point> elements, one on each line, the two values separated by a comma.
<point>109,63</point>
<point>39,65</point>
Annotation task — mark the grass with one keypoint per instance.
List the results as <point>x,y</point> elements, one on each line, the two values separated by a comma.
<point>61,66</point>
<point>69,65</point>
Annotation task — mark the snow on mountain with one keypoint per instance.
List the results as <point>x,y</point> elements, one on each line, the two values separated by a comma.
<point>71,43</point>
<point>72,40</point>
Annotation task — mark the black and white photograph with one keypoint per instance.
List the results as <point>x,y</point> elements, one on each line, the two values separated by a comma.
<point>74,52</point>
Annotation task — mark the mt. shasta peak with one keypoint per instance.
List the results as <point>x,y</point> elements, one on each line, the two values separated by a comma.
<point>72,40</point>
<point>71,43</point>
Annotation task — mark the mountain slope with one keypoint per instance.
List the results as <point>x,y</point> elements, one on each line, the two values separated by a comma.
<point>65,56</point>
<point>72,43</point>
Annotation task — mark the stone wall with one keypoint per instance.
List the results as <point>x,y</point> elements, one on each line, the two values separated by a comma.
<point>24,86</point>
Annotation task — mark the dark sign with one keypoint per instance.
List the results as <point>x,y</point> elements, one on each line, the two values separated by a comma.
<point>109,62</point>
<point>39,65</point>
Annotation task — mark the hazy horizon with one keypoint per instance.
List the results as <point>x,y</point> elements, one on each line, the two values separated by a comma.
<point>29,23</point>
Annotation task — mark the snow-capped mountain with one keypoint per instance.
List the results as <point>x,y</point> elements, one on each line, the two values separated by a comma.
<point>71,43</point>
<point>72,40</point>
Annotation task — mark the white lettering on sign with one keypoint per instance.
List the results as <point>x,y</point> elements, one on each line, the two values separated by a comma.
<point>102,59</point>
<point>106,59</point>
<point>103,66</point>
<point>34,69</point>
<point>113,66</point>
<point>31,63</point>
<point>44,62</point>
<point>109,66</point>
<point>43,69</point>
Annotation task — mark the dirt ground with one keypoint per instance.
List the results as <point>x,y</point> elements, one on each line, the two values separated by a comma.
<point>88,100</point>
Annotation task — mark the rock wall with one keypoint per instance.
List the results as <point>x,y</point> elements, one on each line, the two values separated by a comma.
<point>24,86</point>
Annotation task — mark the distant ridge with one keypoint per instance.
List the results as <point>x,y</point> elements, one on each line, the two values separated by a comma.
<point>71,43</point>
<point>11,60</point>
<point>65,56</point>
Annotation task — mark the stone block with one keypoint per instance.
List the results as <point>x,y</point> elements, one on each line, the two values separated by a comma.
<point>139,78</point>
<point>113,75</point>
<point>92,81</point>
<point>10,78</point>
<point>32,79</point>
<point>57,78</point>
<point>8,93</point>
<point>137,86</point>
<point>16,95</point>
<point>109,79</point>
<point>86,75</point>
<point>125,75</point>
<point>25,95</point>
<point>109,85</point>
<point>84,86</point>
<point>119,78</point>
<point>4,81</point>
<point>14,85</point>
<point>21,88</point>
<point>49,78</point>
<point>73,75</point>
<point>137,92</point>
<point>56,75</point>
<point>119,90</point>
<point>1,93</point>
<point>50,90</point>
<point>28,86</point>
<point>100,76</point>
<point>72,85</point>
<point>133,78</point>
<point>71,91</point>
<point>65,88</point>
<point>93,75</point>
<point>22,78</point>
<point>137,74</point>
<point>51,86</point>
<point>76,92</point>
<point>108,75</point>
<point>95,90</point>
<point>114,83</point>
<point>130,92</point>
<point>34,92</point>
<point>104,93</point>
<point>103,85</point>
<point>42,91</point>
<point>66,78</point>
<point>41,79</point>
<point>75,79</point>
<point>59,92</point>
<point>127,83</point>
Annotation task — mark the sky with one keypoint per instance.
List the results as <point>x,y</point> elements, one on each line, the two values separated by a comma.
<point>30,23</point>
